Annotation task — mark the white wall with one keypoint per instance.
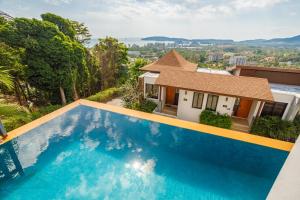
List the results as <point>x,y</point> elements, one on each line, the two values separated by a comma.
<point>225,105</point>
<point>187,112</point>
<point>284,98</point>
<point>294,109</point>
<point>253,111</point>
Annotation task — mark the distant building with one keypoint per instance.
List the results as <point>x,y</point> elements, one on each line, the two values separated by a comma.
<point>237,60</point>
<point>215,57</point>
<point>5,15</point>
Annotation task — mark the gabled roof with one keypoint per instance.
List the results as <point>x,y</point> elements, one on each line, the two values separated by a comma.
<point>170,61</point>
<point>237,86</point>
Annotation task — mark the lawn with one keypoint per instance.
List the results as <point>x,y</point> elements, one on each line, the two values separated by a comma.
<point>13,115</point>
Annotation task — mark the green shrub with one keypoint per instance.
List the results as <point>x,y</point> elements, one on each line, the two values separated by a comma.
<point>145,106</point>
<point>14,116</point>
<point>274,127</point>
<point>105,95</point>
<point>12,123</point>
<point>44,110</point>
<point>215,119</point>
<point>297,123</point>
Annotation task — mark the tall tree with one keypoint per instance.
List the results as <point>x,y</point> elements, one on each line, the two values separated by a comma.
<point>79,34</point>
<point>112,56</point>
<point>52,58</point>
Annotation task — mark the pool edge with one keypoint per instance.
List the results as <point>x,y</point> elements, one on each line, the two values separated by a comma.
<point>245,137</point>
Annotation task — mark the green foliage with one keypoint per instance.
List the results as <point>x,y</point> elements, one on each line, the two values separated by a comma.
<point>44,110</point>
<point>215,119</point>
<point>105,95</point>
<point>132,94</point>
<point>297,123</point>
<point>52,57</point>
<point>82,32</point>
<point>46,60</point>
<point>14,116</point>
<point>112,57</point>
<point>145,105</point>
<point>274,127</point>
<point>64,25</point>
<point>133,98</point>
<point>2,20</point>
<point>134,69</point>
<point>202,57</point>
<point>5,78</point>
<point>11,68</point>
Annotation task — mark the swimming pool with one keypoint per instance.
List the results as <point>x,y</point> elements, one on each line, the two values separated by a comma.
<point>88,153</point>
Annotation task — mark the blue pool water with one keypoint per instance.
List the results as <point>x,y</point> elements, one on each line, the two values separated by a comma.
<point>88,153</point>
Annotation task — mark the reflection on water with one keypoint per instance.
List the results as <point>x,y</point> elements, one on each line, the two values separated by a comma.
<point>10,165</point>
<point>87,153</point>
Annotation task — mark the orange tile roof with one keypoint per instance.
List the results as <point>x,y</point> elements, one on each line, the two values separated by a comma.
<point>237,86</point>
<point>170,61</point>
<point>271,69</point>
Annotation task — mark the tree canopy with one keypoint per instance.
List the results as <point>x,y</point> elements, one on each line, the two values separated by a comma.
<point>112,56</point>
<point>46,59</point>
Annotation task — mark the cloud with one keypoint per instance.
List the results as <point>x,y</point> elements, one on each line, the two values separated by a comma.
<point>171,10</point>
<point>58,2</point>
<point>247,4</point>
<point>178,18</point>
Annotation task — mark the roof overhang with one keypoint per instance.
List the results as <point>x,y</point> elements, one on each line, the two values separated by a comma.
<point>233,86</point>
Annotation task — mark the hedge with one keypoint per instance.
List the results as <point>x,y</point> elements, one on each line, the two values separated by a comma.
<point>215,119</point>
<point>275,127</point>
<point>105,95</point>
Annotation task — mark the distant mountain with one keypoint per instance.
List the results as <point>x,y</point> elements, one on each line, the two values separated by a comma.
<point>295,41</point>
<point>289,41</point>
<point>184,40</point>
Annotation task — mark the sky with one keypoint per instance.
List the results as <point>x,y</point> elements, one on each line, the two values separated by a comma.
<point>217,19</point>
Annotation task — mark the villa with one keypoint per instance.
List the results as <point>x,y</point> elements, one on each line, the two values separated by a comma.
<point>182,90</point>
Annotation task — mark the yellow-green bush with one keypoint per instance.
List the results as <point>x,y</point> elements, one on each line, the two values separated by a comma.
<point>105,95</point>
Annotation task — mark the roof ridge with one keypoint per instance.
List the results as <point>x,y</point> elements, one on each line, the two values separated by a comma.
<point>172,58</point>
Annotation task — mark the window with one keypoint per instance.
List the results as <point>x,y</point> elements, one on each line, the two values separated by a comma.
<point>152,91</point>
<point>212,101</point>
<point>197,100</point>
<point>274,109</point>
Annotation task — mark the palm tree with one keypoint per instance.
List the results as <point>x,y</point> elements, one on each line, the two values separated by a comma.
<point>6,79</point>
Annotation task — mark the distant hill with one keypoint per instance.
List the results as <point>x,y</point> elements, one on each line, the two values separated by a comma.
<point>184,40</point>
<point>289,41</point>
<point>274,42</point>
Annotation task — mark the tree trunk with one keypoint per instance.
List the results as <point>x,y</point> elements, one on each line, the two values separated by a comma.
<point>62,96</point>
<point>28,91</point>
<point>17,91</point>
<point>21,89</point>
<point>76,96</point>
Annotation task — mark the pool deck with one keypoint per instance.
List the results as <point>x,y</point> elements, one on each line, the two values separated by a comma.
<point>250,138</point>
<point>287,183</point>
